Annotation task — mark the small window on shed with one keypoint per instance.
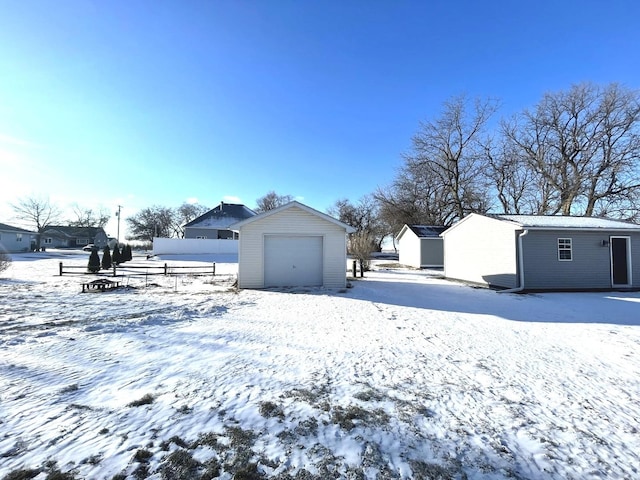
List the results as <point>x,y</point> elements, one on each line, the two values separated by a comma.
<point>18,237</point>
<point>564,250</point>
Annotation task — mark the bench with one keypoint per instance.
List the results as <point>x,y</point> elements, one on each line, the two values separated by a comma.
<point>99,285</point>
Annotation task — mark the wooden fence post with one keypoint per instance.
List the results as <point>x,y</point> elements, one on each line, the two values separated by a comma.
<point>214,269</point>
<point>353,268</point>
<point>165,269</point>
<point>60,268</point>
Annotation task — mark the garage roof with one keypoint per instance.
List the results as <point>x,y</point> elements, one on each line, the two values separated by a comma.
<point>268,213</point>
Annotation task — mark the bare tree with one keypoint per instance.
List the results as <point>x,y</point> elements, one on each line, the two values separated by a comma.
<point>39,213</point>
<point>364,216</point>
<point>86,217</point>
<point>443,177</point>
<point>361,245</point>
<point>516,187</point>
<point>580,148</point>
<point>152,222</point>
<point>450,150</point>
<point>186,213</point>
<point>271,200</point>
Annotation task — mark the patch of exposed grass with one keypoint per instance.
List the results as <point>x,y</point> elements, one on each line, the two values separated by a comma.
<point>240,438</point>
<point>70,388</point>
<point>433,471</point>
<point>147,399</point>
<point>248,472</point>
<point>271,409</point>
<point>142,455</point>
<point>349,417</point>
<point>307,427</point>
<point>369,395</point>
<point>208,439</point>
<point>92,460</point>
<point>54,473</point>
<point>22,474</point>
<point>141,472</point>
<point>175,440</point>
<point>180,465</point>
<point>185,409</point>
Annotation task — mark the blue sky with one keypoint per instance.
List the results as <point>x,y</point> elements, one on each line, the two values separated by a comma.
<point>140,103</point>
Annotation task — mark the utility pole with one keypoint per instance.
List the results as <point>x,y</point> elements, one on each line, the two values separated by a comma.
<point>118,215</point>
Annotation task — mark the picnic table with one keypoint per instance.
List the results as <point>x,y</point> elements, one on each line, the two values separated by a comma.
<point>100,285</point>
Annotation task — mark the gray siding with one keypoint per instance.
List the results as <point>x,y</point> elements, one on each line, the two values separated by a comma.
<point>432,252</point>
<point>195,232</point>
<point>590,267</point>
<point>14,242</point>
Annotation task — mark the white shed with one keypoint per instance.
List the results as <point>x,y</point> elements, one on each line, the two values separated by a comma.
<point>291,246</point>
<point>421,246</point>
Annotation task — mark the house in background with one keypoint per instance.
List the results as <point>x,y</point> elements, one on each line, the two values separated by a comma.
<point>530,252</point>
<point>73,237</point>
<point>292,246</point>
<point>421,246</point>
<point>214,225</point>
<point>14,239</point>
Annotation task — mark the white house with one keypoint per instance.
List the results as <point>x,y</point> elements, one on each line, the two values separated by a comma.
<point>290,246</point>
<point>421,246</point>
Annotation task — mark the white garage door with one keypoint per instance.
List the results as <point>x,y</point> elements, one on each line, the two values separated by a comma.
<point>292,261</point>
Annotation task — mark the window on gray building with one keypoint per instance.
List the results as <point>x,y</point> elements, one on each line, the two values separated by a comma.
<point>565,253</point>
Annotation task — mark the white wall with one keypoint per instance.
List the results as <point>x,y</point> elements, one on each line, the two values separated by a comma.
<point>409,248</point>
<point>179,246</point>
<point>481,250</point>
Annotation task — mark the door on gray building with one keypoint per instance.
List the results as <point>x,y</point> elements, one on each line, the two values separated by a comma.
<point>620,261</point>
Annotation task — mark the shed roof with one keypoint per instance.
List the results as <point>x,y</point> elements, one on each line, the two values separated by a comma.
<point>422,231</point>
<point>268,213</point>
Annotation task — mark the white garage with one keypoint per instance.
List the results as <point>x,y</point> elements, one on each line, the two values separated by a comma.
<point>292,246</point>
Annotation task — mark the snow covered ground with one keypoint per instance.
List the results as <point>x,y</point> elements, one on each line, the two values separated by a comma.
<point>404,375</point>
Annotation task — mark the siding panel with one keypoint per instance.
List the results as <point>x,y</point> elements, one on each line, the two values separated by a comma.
<point>589,269</point>
<point>432,252</point>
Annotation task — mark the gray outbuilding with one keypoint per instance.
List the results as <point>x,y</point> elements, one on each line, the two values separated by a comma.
<point>292,246</point>
<point>531,252</point>
<point>420,246</point>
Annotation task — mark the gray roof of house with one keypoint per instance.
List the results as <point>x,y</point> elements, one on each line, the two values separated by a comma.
<point>568,222</point>
<point>73,232</point>
<point>424,231</point>
<point>8,228</point>
<point>222,216</point>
